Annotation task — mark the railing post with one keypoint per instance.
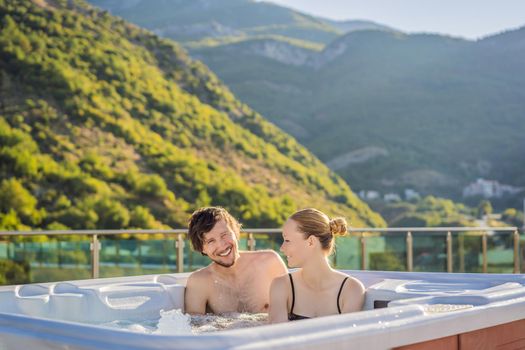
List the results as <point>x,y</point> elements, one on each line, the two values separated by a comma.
<point>165,251</point>
<point>484,251</point>
<point>117,251</point>
<point>41,253</point>
<point>59,255</point>
<point>95,256</point>
<point>461,252</point>
<point>449,252</point>
<point>516,252</point>
<point>251,242</point>
<point>179,245</point>
<point>363,251</point>
<point>410,260</point>
<point>139,252</point>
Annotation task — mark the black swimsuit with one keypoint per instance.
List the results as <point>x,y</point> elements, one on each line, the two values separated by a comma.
<point>294,317</point>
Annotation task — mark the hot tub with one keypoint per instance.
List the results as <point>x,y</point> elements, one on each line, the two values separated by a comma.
<point>467,311</point>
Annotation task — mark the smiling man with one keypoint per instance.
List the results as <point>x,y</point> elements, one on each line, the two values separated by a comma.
<point>235,281</point>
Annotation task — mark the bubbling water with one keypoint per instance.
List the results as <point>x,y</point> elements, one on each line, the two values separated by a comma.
<point>213,323</point>
<point>175,322</point>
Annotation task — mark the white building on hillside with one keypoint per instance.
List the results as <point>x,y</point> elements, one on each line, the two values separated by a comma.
<point>489,189</point>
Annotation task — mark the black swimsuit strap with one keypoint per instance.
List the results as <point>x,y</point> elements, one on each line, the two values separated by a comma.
<point>338,294</point>
<point>293,292</point>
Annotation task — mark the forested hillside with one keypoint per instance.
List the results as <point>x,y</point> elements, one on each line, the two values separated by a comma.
<point>106,125</point>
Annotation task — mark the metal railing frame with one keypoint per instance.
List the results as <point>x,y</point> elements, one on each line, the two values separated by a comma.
<point>361,233</point>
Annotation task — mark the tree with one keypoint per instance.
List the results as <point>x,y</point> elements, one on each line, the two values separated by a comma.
<point>152,185</point>
<point>13,196</point>
<point>386,261</point>
<point>142,218</point>
<point>112,214</point>
<point>78,218</point>
<point>14,272</point>
<point>11,221</point>
<point>484,208</point>
<point>513,217</point>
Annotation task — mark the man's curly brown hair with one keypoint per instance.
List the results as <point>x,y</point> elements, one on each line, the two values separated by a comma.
<point>203,220</point>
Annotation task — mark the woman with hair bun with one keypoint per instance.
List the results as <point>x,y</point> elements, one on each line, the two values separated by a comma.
<point>314,289</point>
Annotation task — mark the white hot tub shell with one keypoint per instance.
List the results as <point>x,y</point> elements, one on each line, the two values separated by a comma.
<point>400,309</point>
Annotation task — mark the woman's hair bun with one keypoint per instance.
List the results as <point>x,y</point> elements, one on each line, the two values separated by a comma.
<point>338,226</point>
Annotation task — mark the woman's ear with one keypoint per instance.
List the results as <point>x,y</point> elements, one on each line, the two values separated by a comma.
<point>311,241</point>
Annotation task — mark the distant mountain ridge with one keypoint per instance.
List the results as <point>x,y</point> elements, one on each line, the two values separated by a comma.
<point>201,22</point>
<point>347,26</point>
<point>105,125</point>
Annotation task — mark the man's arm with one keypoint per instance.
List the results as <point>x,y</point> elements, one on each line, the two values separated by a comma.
<point>279,300</point>
<point>195,295</point>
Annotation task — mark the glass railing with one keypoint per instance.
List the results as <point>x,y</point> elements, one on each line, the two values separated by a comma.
<point>45,256</point>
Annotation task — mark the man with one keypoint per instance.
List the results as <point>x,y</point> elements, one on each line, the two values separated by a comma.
<point>235,281</point>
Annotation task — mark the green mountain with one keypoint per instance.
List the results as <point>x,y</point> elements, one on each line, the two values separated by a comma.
<point>106,125</point>
<point>433,113</point>
<point>390,111</point>
<point>386,110</point>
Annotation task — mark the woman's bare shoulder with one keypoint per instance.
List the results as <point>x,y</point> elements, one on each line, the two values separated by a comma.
<point>352,295</point>
<point>352,284</point>
<point>354,291</point>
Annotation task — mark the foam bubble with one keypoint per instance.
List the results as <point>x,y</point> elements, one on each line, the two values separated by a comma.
<point>173,322</point>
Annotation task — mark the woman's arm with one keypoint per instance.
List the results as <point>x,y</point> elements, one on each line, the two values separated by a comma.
<point>279,300</point>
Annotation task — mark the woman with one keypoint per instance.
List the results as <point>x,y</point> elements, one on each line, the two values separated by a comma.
<point>315,289</point>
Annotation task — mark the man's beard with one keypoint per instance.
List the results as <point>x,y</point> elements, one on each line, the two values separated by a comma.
<point>227,265</point>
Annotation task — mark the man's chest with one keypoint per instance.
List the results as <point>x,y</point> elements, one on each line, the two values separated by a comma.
<point>247,295</point>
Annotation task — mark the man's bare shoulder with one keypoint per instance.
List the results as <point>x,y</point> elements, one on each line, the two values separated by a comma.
<point>197,291</point>
<point>267,260</point>
<point>267,255</point>
<point>201,275</point>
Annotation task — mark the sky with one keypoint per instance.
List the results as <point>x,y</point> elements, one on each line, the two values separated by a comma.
<point>471,19</point>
